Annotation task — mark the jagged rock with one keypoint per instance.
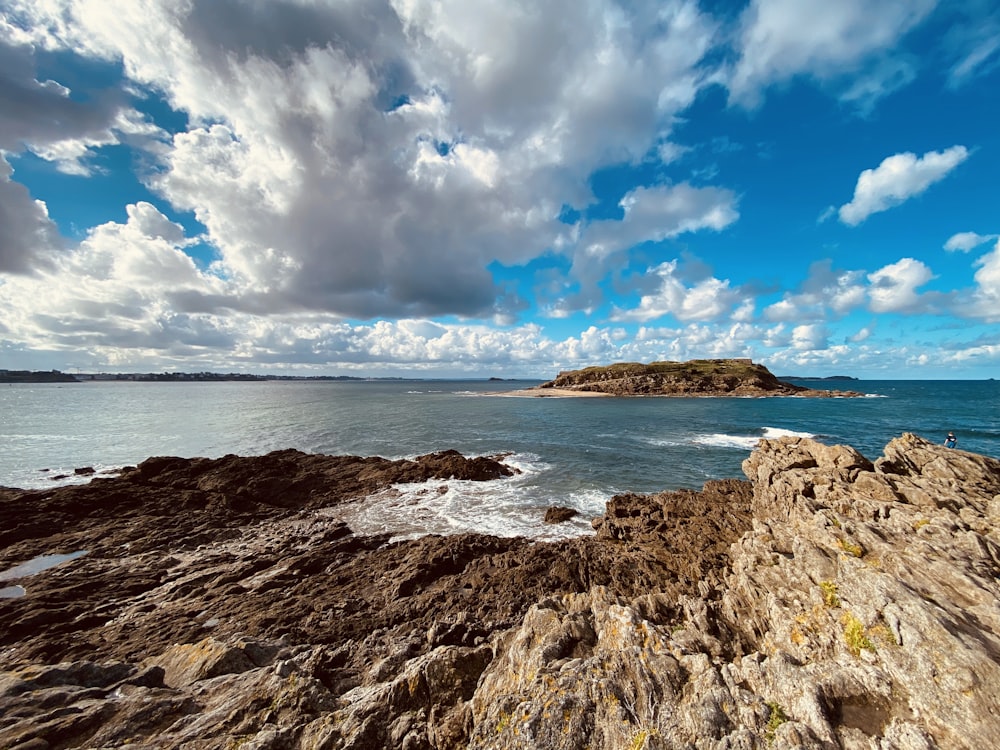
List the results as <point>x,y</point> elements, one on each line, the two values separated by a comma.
<point>829,602</point>
<point>557,514</point>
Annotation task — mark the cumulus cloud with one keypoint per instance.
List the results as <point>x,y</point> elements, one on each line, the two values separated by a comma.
<point>966,241</point>
<point>28,237</point>
<point>653,214</point>
<point>985,302</point>
<point>809,337</point>
<point>780,39</point>
<point>897,179</point>
<point>894,287</point>
<point>372,159</point>
<point>379,160</point>
<point>825,293</point>
<point>708,299</point>
<point>42,113</point>
<point>114,290</point>
<point>55,123</point>
<point>650,214</point>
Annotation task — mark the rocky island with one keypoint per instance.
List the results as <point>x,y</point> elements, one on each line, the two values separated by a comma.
<point>697,377</point>
<point>827,601</point>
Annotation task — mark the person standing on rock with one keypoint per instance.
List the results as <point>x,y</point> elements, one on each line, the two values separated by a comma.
<point>951,441</point>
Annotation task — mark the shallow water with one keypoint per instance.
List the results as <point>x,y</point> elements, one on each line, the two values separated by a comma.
<point>30,568</point>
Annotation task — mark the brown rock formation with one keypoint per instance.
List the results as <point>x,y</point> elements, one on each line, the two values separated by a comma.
<point>829,602</point>
<point>698,377</point>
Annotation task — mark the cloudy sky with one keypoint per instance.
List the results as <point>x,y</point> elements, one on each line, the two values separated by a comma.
<point>477,187</point>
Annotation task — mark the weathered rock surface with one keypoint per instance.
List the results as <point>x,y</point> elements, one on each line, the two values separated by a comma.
<point>698,377</point>
<point>829,602</point>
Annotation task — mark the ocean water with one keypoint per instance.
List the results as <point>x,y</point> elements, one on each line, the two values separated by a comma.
<point>571,452</point>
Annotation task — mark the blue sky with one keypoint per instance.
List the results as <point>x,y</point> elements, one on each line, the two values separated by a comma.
<point>472,188</point>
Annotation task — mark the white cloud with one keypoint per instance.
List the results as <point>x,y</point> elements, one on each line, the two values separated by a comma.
<point>126,285</point>
<point>42,113</point>
<point>780,39</point>
<point>809,337</point>
<point>879,81</point>
<point>708,299</point>
<point>982,57</point>
<point>824,294</point>
<point>657,213</point>
<point>972,41</point>
<point>863,334</point>
<point>28,237</point>
<point>897,179</point>
<point>372,159</point>
<point>894,287</point>
<point>966,241</point>
<point>378,159</point>
<point>985,301</point>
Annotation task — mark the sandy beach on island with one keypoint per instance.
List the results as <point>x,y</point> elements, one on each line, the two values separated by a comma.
<point>547,393</point>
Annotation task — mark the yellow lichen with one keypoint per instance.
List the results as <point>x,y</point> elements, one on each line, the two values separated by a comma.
<point>503,722</point>
<point>829,591</point>
<point>639,740</point>
<point>776,719</point>
<point>855,550</point>
<point>854,635</point>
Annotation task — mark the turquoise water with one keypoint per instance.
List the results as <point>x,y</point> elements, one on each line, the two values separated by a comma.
<point>574,452</point>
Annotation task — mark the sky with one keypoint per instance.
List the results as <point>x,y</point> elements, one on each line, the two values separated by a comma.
<point>477,188</point>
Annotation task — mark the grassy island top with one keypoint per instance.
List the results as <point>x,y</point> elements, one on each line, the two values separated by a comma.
<point>708,377</point>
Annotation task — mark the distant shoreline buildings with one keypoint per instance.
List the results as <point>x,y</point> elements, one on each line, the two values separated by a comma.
<point>56,376</point>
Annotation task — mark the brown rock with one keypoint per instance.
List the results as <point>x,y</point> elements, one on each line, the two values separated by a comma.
<point>557,514</point>
<point>831,601</point>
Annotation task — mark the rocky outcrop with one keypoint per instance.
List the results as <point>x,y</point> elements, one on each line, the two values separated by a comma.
<point>828,602</point>
<point>698,377</point>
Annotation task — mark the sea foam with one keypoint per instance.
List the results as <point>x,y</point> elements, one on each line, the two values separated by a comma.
<point>513,506</point>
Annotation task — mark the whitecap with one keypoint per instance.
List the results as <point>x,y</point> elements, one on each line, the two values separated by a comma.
<point>512,506</point>
<point>745,442</point>
<point>722,440</point>
<point>772,433</point>
<point>662,442</point>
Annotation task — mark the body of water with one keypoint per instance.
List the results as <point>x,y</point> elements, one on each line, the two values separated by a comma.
<point>574,452</point>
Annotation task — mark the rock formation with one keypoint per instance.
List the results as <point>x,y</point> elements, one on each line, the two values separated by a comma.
<point>698,377</point>
<point>828,602</point>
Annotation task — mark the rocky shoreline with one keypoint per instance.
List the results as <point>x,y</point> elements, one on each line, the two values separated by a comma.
<point>827,601</point>
<point>708,378</point>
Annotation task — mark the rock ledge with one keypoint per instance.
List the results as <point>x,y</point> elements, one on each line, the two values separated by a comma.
<point>828,602</point>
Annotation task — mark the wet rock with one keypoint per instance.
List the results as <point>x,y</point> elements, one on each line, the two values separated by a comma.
<point>557,514</point>
<point>828,602</point>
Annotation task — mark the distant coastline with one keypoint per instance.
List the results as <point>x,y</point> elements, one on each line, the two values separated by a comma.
<point>55,376</point>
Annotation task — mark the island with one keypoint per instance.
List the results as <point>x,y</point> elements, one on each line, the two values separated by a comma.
<point>824,601</point>
<point>697,377</point>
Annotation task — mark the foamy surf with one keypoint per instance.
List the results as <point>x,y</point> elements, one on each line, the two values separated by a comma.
<point>747,442</point>
<point>771,433</point>
<point>513,506</point>
<point>61,476</point>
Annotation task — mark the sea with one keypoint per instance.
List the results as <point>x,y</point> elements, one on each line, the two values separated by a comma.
<point>570,452</point>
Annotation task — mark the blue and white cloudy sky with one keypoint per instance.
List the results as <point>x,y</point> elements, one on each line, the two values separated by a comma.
<point>497,187</point>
